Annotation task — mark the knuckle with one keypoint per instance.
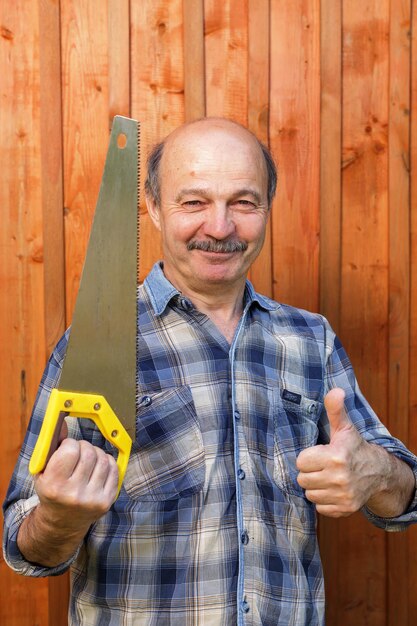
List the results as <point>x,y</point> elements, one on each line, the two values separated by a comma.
<point>339,459</point>
<point>299,461</point>
<point>47,491</point>
<point>69,448</point>
<point>88,452</point>
<point>342,481</point>
<point>100,505</point>
<point>310,496</point>
<point>101,458</point>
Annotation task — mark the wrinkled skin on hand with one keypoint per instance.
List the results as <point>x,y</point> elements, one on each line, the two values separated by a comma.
<point>348,473</point>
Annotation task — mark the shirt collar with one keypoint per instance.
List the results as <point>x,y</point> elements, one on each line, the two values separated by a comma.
<point>161,292</point>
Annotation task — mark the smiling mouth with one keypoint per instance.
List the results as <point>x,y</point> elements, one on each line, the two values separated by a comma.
<point>222,247</point>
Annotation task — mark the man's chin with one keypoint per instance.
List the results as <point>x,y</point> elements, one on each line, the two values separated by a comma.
<point>217,275</point>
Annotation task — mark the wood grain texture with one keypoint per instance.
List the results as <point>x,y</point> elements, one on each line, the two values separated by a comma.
<point>295,140</point>
<point>324,82</point>
<point>399,278</point>
<point>226,33</point>
<point>412,430</point>
<point>194,60</point>
<point>157,93</point>
<point>330,161</point>
<point>118,58</point>
<point>22,310</point>
<point>330,238</point>
<point>258,119</point>
<point>50,107</point>
<point>365,273</point>
<point>53,223</point>
<point>85,92</point>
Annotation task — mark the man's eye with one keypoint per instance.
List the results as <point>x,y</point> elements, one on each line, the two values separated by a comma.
<point>246,204</point>
<point>192,203</point>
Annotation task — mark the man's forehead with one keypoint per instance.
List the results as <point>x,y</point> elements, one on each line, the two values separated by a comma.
<point>198,131</point>
<point>213,143</point>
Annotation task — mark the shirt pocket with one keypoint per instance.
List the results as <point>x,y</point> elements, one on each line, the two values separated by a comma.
<point>295,428</point>
<point>167,459</point>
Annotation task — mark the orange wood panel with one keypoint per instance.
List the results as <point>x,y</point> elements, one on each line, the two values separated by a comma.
<point>364,297</point>
<point>85,92</point>
<point>52,183</point>
<point>226,34</point>
<point>119,58</point>
<point>399,214</point>
<point>330,164</point>
<point>157,92</point>
<point>277,66</point>
<point>399,280</point>
<point>330,239</point>
<point>258,74</point>
<point>295,140</point>
<point>412,424</point>
<point>22,333</point>
<point>53,222</point>
<point>258,118</point>
<point>194,68</point>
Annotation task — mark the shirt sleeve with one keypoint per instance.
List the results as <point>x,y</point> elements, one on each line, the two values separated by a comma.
<point>339,373</point>
<point>21,497</point>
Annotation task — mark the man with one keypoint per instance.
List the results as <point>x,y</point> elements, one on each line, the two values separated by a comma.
<point>235,451</point>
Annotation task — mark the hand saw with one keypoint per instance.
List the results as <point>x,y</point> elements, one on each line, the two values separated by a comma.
<point>98,378</point>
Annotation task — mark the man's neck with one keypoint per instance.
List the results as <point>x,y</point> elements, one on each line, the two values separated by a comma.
<point>222,303</point>
<point>223,312</point>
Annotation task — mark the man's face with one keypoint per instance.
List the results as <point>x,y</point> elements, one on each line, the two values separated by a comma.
<point>213,210</point>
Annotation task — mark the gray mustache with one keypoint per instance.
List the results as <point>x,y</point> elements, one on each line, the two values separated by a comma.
<point>218,246</point>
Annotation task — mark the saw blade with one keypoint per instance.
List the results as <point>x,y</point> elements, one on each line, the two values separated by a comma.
<point>101,353</point>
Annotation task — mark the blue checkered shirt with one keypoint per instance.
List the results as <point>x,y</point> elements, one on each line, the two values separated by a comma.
<point>211,527</point>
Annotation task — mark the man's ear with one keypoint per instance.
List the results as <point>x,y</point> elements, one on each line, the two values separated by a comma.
<point>153,211</point>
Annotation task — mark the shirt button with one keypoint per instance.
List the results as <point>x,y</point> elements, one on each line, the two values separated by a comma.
<point>185,304</point>
<point>244,537</point>
<point>241,474</point>
<point>146,401</point>
<point>245,607</point>
<point>237,415</point>
<point>312,408</point>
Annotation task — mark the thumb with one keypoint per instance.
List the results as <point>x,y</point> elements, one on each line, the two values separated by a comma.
<point>334,402</point>
<point>60,433</point>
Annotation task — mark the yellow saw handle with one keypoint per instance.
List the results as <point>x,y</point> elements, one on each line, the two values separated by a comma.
<point>83,405</point>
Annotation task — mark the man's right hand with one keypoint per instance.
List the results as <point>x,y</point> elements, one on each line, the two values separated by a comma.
<point>77,487</point>
<point>80,480</point>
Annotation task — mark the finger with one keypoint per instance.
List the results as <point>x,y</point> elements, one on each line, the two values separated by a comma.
<point>312,480</point>
<point>86,463</point>
<point>324,497</point>
<point>112,481</point>
<point>312,459</point>
<point>102,468</point>
<point>334,402</point>
<point>332,510</point>
<point>64,460</point>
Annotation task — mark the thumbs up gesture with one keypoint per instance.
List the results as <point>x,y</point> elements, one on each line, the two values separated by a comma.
<point>343,475</point>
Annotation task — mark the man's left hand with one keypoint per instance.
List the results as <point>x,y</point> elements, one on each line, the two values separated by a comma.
<point>343,475</point>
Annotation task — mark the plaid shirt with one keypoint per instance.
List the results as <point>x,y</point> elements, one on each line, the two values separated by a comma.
<point>211,527</point>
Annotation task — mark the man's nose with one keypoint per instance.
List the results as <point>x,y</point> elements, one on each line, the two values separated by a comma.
<point>219,222</point>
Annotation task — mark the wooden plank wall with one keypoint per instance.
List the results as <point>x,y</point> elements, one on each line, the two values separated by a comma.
<point>332,87</point>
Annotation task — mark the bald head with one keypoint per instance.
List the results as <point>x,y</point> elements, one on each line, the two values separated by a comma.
<point>220,129</point>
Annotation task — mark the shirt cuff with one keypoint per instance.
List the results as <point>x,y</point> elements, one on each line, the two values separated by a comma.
<point>12,555</point>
